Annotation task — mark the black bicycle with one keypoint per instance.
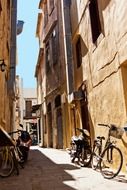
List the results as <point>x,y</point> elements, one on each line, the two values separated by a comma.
<point>108,159</point>
<point>80,148</point>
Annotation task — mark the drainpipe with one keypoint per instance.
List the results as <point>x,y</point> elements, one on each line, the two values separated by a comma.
<point>11,82</point>
<point>68,46</point>
<point>16,28</point>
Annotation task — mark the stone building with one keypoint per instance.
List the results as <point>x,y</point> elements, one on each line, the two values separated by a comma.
<point>8,20</point>
<point>54,57</point>
<point>29,115</point>
<point>83,62</point>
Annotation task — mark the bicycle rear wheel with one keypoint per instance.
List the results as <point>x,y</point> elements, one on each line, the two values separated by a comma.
<point>85,157</point>
<point>111,162</point>
<point>6,163</point>
<point>95,158</point>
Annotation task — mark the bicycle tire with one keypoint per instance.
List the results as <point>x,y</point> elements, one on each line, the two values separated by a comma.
<point>95,158</point>
<point>111,168</point>
<point>16,164</point>
<point>6,163</point>
<point>85,157</point>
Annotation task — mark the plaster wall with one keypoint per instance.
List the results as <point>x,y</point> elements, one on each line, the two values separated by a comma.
<point>101,62</point>
<point>104,63</point>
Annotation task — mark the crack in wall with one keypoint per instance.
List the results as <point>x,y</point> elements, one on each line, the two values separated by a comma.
<point>106,77</point>
<point>109,62</point>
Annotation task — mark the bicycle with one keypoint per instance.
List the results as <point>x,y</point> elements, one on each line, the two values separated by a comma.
<point>80,148</point>
<point>9,155</point>
<point>110,159</point>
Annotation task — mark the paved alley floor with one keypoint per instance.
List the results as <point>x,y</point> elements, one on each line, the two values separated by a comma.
<point>51,169</point>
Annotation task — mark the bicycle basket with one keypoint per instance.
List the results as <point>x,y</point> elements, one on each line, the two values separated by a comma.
<point>116,132</point>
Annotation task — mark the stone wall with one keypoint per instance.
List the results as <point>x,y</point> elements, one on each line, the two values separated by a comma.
<point>4,55</point>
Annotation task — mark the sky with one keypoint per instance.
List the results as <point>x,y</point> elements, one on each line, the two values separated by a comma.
<point>27,42</point>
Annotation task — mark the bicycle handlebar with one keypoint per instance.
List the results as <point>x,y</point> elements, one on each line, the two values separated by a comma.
<point>78,129</point>
<point>105,125</point>
<point>18,130</point>
<point>81,130</point>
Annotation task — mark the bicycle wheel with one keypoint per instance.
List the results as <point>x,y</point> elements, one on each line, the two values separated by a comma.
<point>15,160</point>
<point>95,158</point>
<point>111,162</point>
<point>85,157</point>
<point>6,163</point>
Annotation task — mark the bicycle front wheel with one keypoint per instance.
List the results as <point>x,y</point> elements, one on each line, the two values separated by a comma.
<point>111,162</point>
<point>6,163</point>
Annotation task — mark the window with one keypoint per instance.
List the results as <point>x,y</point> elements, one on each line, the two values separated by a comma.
<point>49,107</point>
<point>57,101</point>
<point>28,106</point>
<point>54,45</point>
<point>95,20</point>
<point>78,53</point>
<point>45,14</point>
<point>47,57</point>
<point>51,50</point>
<point>1,6</point>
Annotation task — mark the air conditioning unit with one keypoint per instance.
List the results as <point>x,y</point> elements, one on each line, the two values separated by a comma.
<point>76,95</point>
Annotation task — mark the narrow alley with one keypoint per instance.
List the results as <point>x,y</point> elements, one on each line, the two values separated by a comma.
<point>50,169</point>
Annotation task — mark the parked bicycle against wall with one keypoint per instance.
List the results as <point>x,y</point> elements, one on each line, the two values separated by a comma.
<point>110,159</point>
<point>80,148</point>
<point>8,161</point>
<point>10,155</point>
<point>23,144</point>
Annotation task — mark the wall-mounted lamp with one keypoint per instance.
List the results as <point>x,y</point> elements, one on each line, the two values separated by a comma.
<point>2,65</point>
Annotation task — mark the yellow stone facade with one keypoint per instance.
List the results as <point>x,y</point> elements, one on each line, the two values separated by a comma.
<point>51,84</point>
<point>7,100</point>
<point>104,64</point>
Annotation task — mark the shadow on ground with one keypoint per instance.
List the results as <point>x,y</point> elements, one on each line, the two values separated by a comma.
<point>40,173</point>
<point>120,178</point>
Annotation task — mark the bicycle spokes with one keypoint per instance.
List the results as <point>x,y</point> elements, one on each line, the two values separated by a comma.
<point>111,162</point>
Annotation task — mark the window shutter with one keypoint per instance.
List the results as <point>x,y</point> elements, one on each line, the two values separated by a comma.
<point>78,53</point>
<point>95,20</point>
<point>47,57</point>
<point>50,6</point>
<point>54,41</point>
<point>28,108</point>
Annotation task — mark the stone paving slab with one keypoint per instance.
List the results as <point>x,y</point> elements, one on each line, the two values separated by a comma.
<point>50,169</point>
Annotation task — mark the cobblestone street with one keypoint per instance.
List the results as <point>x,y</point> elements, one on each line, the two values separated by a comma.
<point>50,169</point>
